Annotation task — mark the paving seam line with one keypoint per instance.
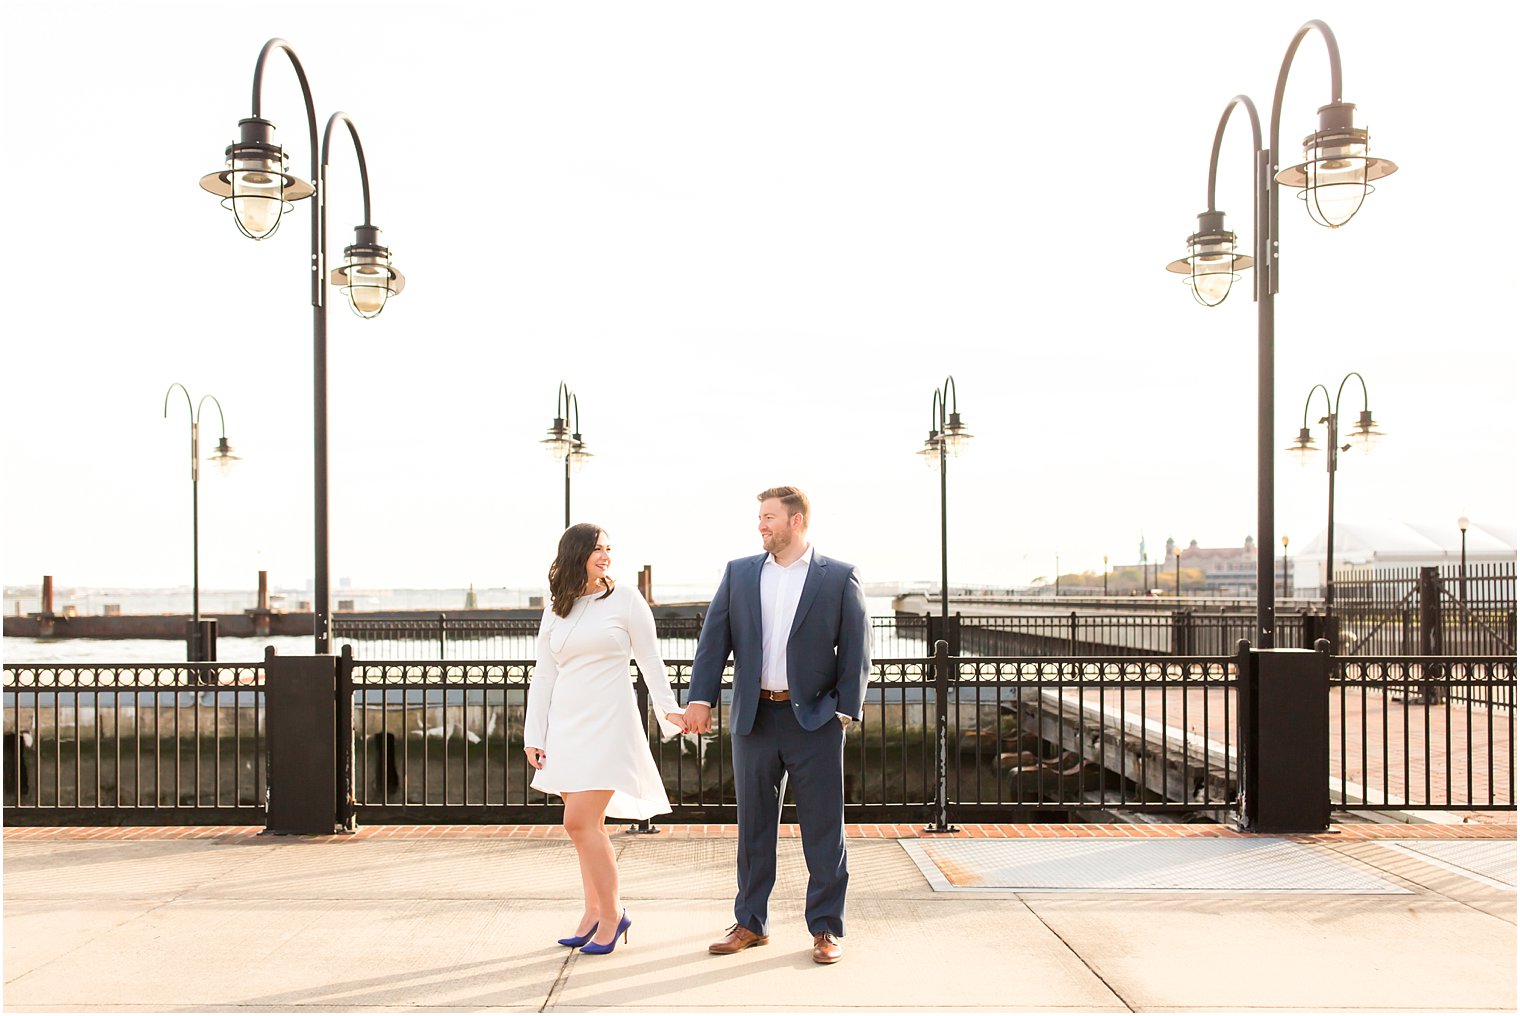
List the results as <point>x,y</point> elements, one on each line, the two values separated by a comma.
<point>1080,958</point>
<point>564,971</point>
<point>1424,889</point>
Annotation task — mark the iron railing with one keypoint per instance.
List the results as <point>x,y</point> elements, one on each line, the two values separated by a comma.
<point>112,744</point>
<point>1098,732</point>
<point>1422,732</point>
<point>1184,632</point>
<point>1445,611</point>
<point>452,638</point>
<point>441,741</point>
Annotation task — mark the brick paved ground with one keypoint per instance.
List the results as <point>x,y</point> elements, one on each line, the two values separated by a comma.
<point>1489,827</point>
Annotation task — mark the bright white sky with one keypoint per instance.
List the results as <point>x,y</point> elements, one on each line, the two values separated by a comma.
<point>754,238</point>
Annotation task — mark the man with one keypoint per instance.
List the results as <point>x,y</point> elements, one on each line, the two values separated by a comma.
<point>796,625</point>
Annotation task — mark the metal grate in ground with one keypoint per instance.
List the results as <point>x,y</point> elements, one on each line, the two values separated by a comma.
<point>1491,862</point>
<point>1256,865</point>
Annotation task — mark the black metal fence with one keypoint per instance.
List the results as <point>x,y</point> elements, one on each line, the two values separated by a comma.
<point>1186,632</point>
<point>107,744</point>
<point>441,741</point>
<point>1379,612</point>
<point>1422,732</point>
<point>1430,611</point>
<point>450,638</point>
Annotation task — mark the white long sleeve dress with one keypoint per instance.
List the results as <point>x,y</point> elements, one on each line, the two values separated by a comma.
<point>582,710</point>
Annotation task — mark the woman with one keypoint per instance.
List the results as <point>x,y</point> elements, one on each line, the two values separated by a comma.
<point>583,732</point>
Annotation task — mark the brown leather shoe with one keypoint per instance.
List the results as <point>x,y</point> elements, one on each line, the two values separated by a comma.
<point>738,939</point>
<point>826,948</point>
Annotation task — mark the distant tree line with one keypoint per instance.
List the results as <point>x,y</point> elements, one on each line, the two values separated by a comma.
<point>1127,581</point>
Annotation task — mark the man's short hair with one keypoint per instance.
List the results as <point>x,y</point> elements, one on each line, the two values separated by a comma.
<point>795,501</point>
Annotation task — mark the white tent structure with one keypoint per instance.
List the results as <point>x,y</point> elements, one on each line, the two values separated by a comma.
<point>1400,545</point>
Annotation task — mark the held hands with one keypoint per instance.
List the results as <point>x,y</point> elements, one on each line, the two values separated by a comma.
<point>679,719</point>
<point>698,718</point>
<point>536,757</point>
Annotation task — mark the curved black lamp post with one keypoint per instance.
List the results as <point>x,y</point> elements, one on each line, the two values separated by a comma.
<point>1334,178</point>
<point>1177,571</point>
<point>1365,433</point>
<point>564,441</point>
<point>224,458</point>
<point>947,437</point>
<point>258,190</point>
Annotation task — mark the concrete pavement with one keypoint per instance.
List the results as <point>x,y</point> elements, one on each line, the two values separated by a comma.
<point>465,919</point>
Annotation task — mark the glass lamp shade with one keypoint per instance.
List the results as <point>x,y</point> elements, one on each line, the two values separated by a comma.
<point>1303,449</point>
<point>1365,435</point>
<point>223,457</point>
<point>956,436</point>
<point>1462,523</point>
<point>578,456</point>
<point>559,443</point>
<point>1211,265</point>
<point>1337,172</point>
<point>254,184</point>
<point>930,450</point>
<point>366,275</point>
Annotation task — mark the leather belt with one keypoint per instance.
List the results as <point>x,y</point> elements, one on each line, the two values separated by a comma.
<point>775,696</point>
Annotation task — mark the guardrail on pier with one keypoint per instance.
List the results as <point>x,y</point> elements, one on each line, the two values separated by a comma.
<point>441,740</point>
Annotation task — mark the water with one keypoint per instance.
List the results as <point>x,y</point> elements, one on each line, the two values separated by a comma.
<point>97,651</point>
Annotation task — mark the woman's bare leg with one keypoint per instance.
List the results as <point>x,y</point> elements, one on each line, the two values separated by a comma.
<point>585,813</point>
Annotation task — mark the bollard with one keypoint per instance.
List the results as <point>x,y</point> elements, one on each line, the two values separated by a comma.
<point>300,724</point>
<point>1284,714</point>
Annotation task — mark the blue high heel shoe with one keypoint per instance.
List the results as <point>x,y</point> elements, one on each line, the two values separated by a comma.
<point>575,941</point>
<point>593,949</point>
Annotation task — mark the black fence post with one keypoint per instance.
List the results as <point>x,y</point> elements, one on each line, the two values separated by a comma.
<point>1285,739</point>
<point>941,822</point>
<point>201,642</point>
<point>343,708</point>
<point>947,629</point>
<point>1182,633</point>
<point>443,636</point>
<point>300,693</point>
<point>1430,628</point>
<point>641,690</point>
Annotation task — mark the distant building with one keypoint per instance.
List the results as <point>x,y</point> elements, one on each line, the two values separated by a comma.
<point>1227,571</point>
<point>1400,545</point>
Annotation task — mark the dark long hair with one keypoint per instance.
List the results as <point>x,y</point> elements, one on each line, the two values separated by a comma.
<point>567,575</point>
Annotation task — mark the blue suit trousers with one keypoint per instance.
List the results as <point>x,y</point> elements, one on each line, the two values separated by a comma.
<point>812,762</point>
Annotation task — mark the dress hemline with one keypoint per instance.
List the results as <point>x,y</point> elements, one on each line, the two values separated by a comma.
<point>623,805</point>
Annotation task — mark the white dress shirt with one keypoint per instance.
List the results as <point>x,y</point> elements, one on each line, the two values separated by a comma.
<point>780,592</point>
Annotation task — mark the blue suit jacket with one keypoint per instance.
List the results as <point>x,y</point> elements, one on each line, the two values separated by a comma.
<point>828,653</point>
